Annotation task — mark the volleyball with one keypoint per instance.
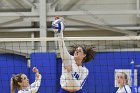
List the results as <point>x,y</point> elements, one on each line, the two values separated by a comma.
<point>58,25</point>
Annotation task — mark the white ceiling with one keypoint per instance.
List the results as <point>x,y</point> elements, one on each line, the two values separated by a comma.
<point>91,17</point>
<point>113,14</point>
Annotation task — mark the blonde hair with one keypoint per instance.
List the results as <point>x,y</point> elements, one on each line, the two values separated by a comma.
<point>14,82</point>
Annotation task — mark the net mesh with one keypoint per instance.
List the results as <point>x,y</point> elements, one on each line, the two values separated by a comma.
<point>113,55</point>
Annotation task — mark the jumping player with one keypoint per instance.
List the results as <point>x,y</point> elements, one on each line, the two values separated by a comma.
<point>74,73</point>
<point>21,82</point>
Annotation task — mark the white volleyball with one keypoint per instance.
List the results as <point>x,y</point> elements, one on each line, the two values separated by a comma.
<point>58,26</point>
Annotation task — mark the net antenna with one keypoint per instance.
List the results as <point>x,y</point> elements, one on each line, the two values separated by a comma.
<point>133,76</point>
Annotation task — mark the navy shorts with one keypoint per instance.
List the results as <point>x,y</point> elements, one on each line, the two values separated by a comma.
<point>64,91</point>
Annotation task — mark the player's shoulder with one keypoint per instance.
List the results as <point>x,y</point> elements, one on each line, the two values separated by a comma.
<point>20,91</point>
<point>71,57</point>
<point>128,88</point>
<point>24,91</point>
<point>85,69</point>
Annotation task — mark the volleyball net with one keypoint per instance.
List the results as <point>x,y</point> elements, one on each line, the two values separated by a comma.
<point>113,55</point>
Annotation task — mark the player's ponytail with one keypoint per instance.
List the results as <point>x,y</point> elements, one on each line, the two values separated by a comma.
<point>90,53</point>
<point>12,85</point>
<point>14,82</point>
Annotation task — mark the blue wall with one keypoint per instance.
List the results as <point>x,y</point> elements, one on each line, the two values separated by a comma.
<point>101,76</point>
<point>101,70</point>
<point>10,64</point>
<point>46,63</point>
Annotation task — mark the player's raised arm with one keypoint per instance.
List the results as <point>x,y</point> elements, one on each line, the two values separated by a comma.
<point>35,86</point>
<point>38,75</point>
<point>58,27</point>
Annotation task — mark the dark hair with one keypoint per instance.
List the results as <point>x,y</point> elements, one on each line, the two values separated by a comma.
<point>87,49</point>
<point>14,82</point>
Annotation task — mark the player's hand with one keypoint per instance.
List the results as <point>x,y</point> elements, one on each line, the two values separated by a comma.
<point>35,70</point>
<point>38,76</point>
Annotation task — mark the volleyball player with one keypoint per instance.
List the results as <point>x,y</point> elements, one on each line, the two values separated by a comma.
<point>122,81</point>
<point>21,82</point>
<point>74,73</point>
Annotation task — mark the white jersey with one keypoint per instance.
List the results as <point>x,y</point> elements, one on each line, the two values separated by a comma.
<point>125,89</point>
<point>75,78</point>
<point>33,88</point>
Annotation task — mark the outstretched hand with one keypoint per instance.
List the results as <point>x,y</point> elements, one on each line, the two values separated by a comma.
<point>35,70</point>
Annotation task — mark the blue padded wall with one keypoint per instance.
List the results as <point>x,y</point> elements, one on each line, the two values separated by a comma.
<point>46,63</point>
<point>10,64</point>
<point>101,70</point>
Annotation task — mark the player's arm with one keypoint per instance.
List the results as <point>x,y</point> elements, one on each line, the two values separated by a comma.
<point>35,86</point>
<point>63,50</point>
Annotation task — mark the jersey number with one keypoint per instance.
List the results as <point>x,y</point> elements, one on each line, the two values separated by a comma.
<point>75,75</point>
